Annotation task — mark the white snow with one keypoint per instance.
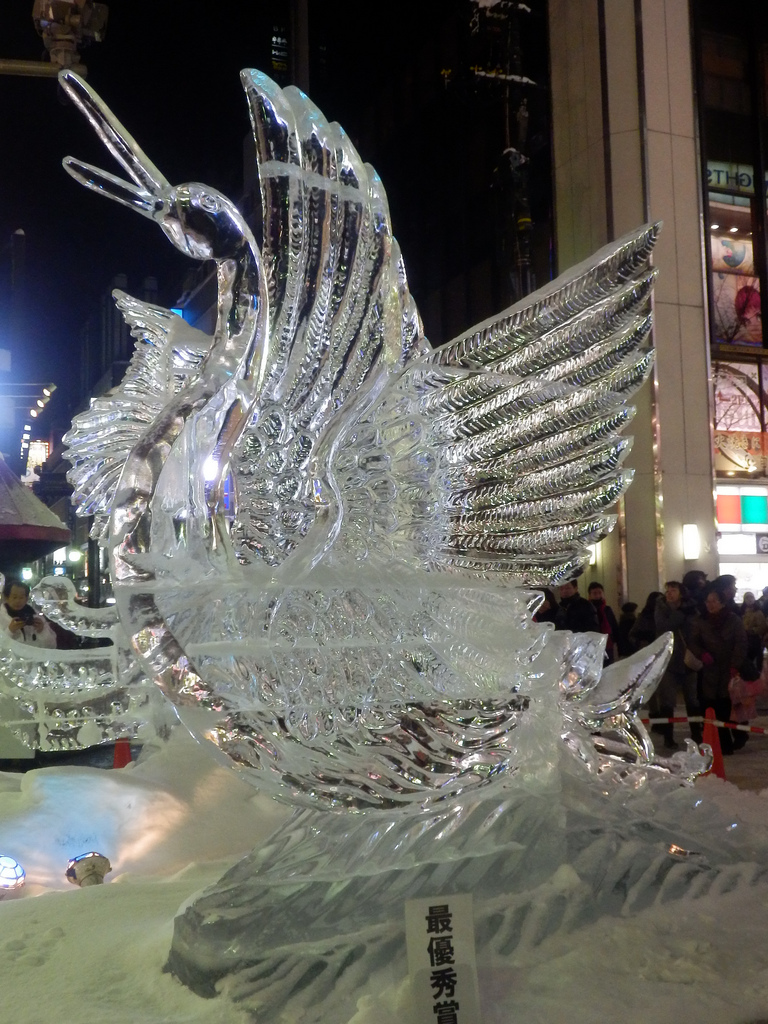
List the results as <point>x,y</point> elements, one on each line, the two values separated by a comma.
<point>174,821</point>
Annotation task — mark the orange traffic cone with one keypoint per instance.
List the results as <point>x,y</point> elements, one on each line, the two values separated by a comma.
<point>123,754</point>
<point>712,737</point>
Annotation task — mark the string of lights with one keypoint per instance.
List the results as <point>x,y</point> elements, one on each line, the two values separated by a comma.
<point>33,397</point>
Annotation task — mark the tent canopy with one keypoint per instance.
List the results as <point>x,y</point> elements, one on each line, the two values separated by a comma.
<point>28,528</point>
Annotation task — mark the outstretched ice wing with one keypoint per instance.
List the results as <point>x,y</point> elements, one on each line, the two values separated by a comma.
<point>168,355</point>
<point>501,452</point>
<point>531,424</point>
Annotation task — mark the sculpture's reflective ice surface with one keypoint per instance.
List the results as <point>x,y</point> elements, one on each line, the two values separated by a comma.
<point>59,700</point>
<point>324,537</point>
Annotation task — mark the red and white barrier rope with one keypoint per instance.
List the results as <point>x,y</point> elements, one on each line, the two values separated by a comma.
<point>712,721</point>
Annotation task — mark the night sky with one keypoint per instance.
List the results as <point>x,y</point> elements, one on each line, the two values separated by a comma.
<point>169,70</point>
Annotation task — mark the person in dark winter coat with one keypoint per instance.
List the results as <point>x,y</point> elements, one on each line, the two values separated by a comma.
<point>627,619</point>
<point>605,618</point>
<point>720,641</point>
<point>575,612</point>
<point>695,583</point>
<point>674,613</point>
<point>644,630</point>
<point>756,626</point>
<point>547,610</point>
<point>726,588</point>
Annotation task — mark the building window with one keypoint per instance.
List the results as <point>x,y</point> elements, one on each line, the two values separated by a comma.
<point>739,402</point>
<point>735,288</point>
<point>732,83</point>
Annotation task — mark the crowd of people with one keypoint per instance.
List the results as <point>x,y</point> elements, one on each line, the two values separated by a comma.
<point>717,658</point>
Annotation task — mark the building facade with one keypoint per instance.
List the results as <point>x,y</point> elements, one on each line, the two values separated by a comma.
<point>732,86</point>
<point>658,111</point>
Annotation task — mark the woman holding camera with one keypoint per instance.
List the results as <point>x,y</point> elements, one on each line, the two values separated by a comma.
<point>20,620</point>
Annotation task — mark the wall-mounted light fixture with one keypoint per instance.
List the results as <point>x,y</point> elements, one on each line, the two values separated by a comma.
<point>691,542</point>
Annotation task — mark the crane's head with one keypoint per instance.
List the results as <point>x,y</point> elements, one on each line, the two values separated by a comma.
<point>199,220</point>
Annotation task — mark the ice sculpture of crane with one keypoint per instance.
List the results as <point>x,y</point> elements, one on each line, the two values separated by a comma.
<point>323,532</point>
<point>324,540</point>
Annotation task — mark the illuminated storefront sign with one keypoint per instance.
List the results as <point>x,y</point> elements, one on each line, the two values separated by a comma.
<point>731,177</point>
<point>38,453</point>
<point>740,452</point>
<point>742,525</point>
<point>742,509</point>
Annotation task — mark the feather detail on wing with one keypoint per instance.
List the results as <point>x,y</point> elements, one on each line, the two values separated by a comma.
<point>167,356</point>
<point>531,425</point>
<point>341,316</point>
<point>503,448</point>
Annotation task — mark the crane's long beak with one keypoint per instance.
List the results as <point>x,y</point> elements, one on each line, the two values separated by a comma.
<point>118,141</point>
<point>113,187</point>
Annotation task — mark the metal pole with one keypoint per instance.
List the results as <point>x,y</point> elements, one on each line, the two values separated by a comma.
<point>32,68</point>
<point>94,571</point>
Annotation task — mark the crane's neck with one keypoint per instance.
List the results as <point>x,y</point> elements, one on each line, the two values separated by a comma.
<point>241,337</point>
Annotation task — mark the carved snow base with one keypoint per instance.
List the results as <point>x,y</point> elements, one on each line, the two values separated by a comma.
<point>299,926</point>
